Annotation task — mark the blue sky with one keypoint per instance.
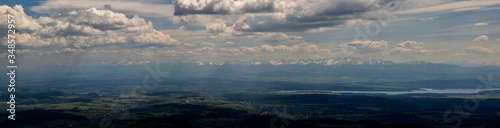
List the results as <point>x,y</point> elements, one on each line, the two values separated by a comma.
<point>96,32</point>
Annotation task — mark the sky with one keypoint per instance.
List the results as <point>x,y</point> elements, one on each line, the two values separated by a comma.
<point>123,32</point>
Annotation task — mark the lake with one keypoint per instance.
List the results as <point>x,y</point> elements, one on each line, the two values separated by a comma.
<point>420,91</point>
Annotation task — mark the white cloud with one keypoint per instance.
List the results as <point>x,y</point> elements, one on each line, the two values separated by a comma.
<point>298,48</point>
<point>366,46</point>
<point>23,21</point>
<point>481,50</point>
<point>467,9</point>
<point>216,28</point>
<point>209,44</point>
<point>45,20</point>
<point>229,43</point>
<point>481,38</point>
<point>481,24</point>
<point>457,6</point>
<point>129,7</point>
<point>105,20</point>
<point>155,38</point>
<point>201,20</point>
<point>202,49</point>
<point>37,41</point>
<point>273,52</point>
<point>91,28</point>
<point>279,38</point>
<point>68,29</point>
<point>409,47</point>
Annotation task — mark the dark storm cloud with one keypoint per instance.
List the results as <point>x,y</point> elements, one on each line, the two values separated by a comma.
<point>284,15</point>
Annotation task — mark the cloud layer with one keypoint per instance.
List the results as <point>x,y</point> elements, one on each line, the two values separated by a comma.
<point>89,28</point>
<point>255,29</point>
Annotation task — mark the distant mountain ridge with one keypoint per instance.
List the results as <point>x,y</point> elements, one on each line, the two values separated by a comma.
<point>326,62</point>
<point>332,69</point>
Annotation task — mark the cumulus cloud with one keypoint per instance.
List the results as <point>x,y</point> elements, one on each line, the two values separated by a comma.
<point>366,46</point>
<point>202,20</point>
<point>104,20</point>
<point>409,47</point>
<point>230,43</point>
<point>279,38</point>
<point>216,28</point>
<point>67,29</point>
<point>23,22</point>
<point>155,38</point>
<point>148,8</point>
<point>481,38</point>
<point>37,41</point>
<point>90,28</point>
